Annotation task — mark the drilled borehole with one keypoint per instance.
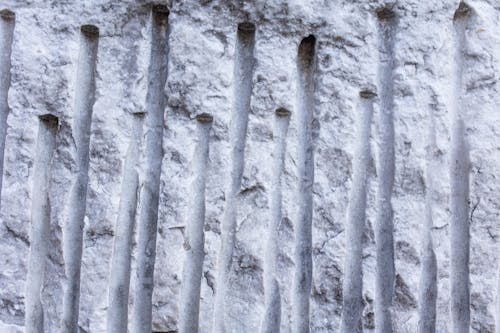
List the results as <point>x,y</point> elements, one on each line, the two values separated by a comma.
<point>6,37</point>
<point>302,281</point>
<point>246,35</point>
<point>282,112</point>
<point>246,27</point>
<point>204,118</point>
<point>161,10</point>
<point>7,14</point>
<point>40,222</point>
<point>366,93</point>
<point>139,114</point>
<point>242,91</point>
<point>76,205</point>
<point>352,289</point>
<point>306,50</point>
<point>385,14</point>
<point>189,310</point>
<point>150,192</point>
<point>119,278</point>
<point>49,119</point>
<point>272,299</point>
<point>459,186</point>
<point>89,30</point>
<point>384,224</point>
<point>160,14</point>
<point>462,11</point>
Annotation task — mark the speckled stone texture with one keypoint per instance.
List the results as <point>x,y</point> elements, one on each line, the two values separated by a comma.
<point>200,80</point>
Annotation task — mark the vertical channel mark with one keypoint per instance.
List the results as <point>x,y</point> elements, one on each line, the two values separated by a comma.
<point>384,238</point>
<point>352,306</point>
<point>195,236</point>
<point>40,222</point>
<point>459,185</point>
<point>242,92</point>
<point>119,285</point>
<point>272,315</point>
<point>305,167</point>
<point>7,23</point>
<point>497,322</point>
<point>150,196</point>
<point>428,274</point>
<point>73,231</point>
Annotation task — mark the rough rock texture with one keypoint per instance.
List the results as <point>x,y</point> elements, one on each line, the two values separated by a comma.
<point>202,40</point>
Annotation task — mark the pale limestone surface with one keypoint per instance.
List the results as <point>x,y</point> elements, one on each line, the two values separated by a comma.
<point>202,43</point>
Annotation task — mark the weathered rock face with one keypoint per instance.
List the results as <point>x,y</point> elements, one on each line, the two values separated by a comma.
<point>201,56</point>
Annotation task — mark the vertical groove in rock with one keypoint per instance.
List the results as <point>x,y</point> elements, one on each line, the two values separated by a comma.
<point>459,185</point>
<point>272,315</point>
<point>7,23</point>
<point>150,195</point>
<point>119,280</point>
<point>497,319</point>
<point>305,167</point>
<point>195,235</point>
<point>242,91</point>
<point>428,275</point>
<point>384,238</point>
<point>76,205</point>
<point>352,305</point>
<point>40,222</point>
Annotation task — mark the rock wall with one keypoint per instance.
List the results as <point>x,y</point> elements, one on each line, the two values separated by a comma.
<point>441,65</point>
